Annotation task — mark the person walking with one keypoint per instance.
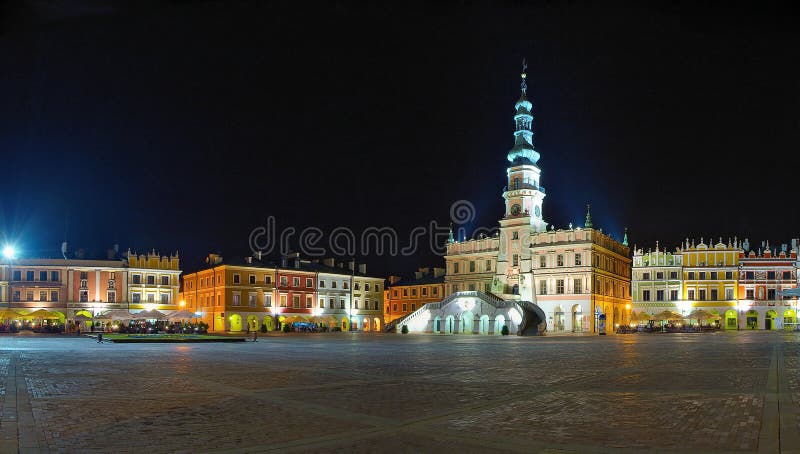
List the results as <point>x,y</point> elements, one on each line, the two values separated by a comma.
<point>99,337</point>
<point>255,335</point>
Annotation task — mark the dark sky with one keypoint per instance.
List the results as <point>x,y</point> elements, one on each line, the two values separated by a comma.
<point>184,125</point>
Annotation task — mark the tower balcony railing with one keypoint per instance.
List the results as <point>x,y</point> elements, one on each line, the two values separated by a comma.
<point>522,186</point>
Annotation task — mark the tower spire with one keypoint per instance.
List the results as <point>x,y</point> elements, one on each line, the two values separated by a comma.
<point>625,238</point>
<point>523,151</point>
<point>588,223</point>
<point>450,238</point>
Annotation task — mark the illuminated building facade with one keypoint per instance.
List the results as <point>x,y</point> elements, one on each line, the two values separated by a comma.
<point>657,281</point>
<point>405,296</point>
<point>567,280</point>
<point>710,273</point>
<point>71,287</point>
<point>240,295</point>
<point>763,274</point>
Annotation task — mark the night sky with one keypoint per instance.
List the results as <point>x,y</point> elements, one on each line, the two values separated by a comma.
<point>183,125</point>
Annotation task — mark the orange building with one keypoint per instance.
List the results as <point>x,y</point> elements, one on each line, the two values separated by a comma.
<point>404,296</point>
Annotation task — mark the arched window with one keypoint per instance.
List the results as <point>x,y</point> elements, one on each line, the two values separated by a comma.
<point>515,183</point>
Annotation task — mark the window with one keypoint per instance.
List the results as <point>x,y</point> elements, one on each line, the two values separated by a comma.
<point>331,302</point>
<point>702,275</point>
<point>151,297</point>
<point>472,266</point>
<point>673,274</point>
<point>84,296</point>
<point>357,286</point>
<point>714,294</point>
<point>112,297</point>
<point>295,282</point>
<point>750,294</point>
<point>341,303</point>
<point>309,282</point>
<point>413,292</point>
<point>771,294</point>
<point>728,293</point>
<point>16,295</point>
<point>366,287</point>
<point>405,292</point>
<point>659,275</point>
<point>405,307</point>
<point>42,275</point>
<point>251,279</point>
<point>219,300</point>
<point>136,297</point>
<point>333,284</point>
<point>659,295</point>
<point>515,260</point>
<point>691,276</point>
<point>559,286</point>
<point>487,287</point>
<point>701,294</point>
<point>559,260</point>
<point>322,303</point>
<point>542,261</point>
<point>17,275</point>
<point>42,296</point>
<point>729,275</point>
<point>267,300</point>
<point>251,298</point>
<point>165,298</point>
<point>543,287</point>
<point>321,284</point>
<point>645,295</point>
<point>577,285</point>
<point>112,275</point>
<point>771,275</point>
<point>413,307</point>
<point>787,275</point>
<point>424,291</point>
<point>54,296</point>
<point>283,300</point>
<point>284,281</point>
<point>309,301</point>
<point>514,235</point>
<point>749,275</point>
<point>84,283</point>
<point>577,259</point>
<point>236,278</point>
<point>673,295</point>
<point>355,303</point>
<point>377,306</point>
<point>236,299</point>
<point>394,307</point>
<point>471,287</point>
<point>29,275</point>
<point>713,275</point>
<point>151,280</point>
<point>164,280</point>
<point>455,267</point>
<point>645,276</point>
<point>267,279</point>
<point>296,301</point>
<point>436,290</point>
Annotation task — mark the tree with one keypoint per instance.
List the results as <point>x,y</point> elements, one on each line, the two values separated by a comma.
<point>404,330</point>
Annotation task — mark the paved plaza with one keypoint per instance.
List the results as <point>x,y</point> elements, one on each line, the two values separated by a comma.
<point>342,392</point>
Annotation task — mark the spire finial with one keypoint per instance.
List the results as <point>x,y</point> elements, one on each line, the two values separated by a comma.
<point>524,75</point>
<point>450,238</point>
<point>588,223</point>
<point>625,238</point>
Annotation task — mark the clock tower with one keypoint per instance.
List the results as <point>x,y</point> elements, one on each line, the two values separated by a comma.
<point>523,215</point>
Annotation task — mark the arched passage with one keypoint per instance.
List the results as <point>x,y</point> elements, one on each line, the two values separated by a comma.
<point>466,323</point>
<point>770,320</point>
<point>499,323</point>
<point>483,327</point>
<point>731,320</point>
<point>236,322</point>
<point>752,319</point>
<point>449,324</point>
<point>376,324</point>
<point>577,319</point>
<point>252,322</point>
<point>269,322</point>
<point>366,324</point>
<point>345,324</point>
<point>437,324</point>
<point>558,319</point>
<point>789,319</point>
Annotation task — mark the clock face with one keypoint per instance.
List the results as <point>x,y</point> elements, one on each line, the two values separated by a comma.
<point>515,209</point>
<point>537,211</point>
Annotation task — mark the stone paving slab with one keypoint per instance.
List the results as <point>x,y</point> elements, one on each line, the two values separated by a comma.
<point>731,392</point>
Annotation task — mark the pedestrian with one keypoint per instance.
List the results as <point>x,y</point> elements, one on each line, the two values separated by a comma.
<point>255,335</point>
<point>99,337</point>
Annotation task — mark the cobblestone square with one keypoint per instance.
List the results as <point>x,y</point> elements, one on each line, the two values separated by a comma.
<point>715,392</point>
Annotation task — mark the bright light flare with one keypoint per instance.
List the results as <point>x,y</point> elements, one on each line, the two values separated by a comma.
<point>9,252</point>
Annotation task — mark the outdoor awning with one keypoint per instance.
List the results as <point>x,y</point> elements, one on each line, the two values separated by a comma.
<point>151,314</point>
<point>9,314</point>
<point>181,315</point>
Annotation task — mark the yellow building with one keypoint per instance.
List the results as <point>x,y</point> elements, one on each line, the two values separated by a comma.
<point>153,281</point>
<point>710,279</point>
